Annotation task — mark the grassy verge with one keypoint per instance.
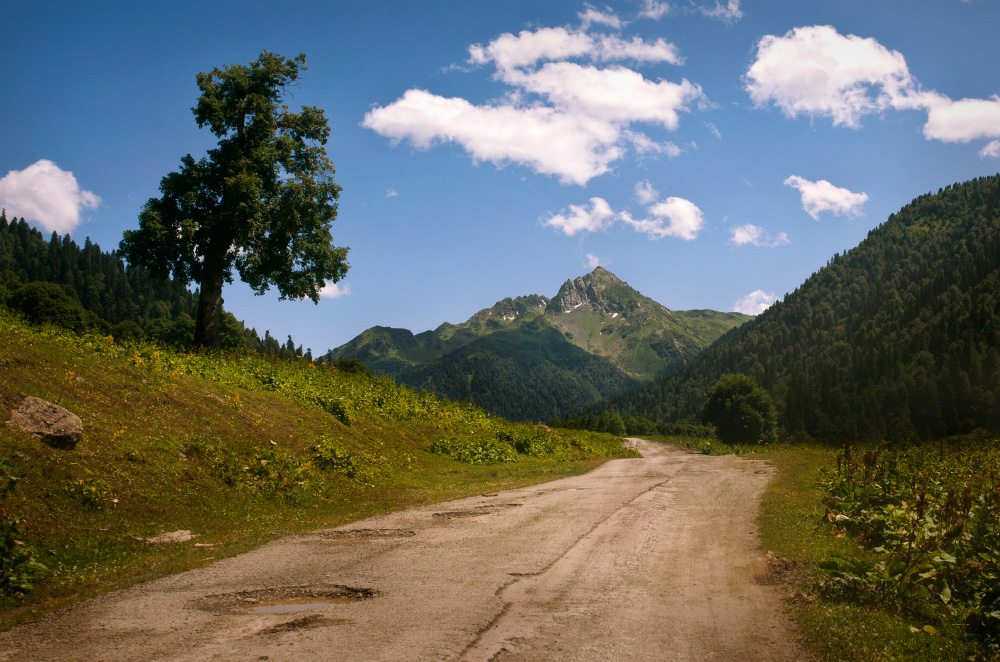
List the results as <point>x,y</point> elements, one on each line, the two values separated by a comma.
<point>795,524</point>
<point>234,448</point>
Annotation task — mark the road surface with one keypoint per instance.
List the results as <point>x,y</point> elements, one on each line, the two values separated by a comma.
<point>641,559</point>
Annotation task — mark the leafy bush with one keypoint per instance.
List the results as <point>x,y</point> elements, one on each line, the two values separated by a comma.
<point>93,493</point>
<point>741,411</point>
<point>18,568</point>
<point>363,467</point>
<point>479,448</point>
<point>48,303</point>
<point>930,520</point>
<point>267,469</point>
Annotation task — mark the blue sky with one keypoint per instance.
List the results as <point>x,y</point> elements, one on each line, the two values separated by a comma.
<point>702,151</point>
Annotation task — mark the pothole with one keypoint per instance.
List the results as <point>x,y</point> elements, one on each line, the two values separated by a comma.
<point>285,600</point>
<point>480,510</point>
<point>362,534</point>
<point>305,623</point>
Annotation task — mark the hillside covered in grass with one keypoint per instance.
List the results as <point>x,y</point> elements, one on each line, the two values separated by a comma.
<point>235,447</point>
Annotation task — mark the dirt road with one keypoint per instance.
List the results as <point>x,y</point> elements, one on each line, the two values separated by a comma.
<point>642,559</point>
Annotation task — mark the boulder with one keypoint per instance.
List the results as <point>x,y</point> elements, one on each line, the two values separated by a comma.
<point>49,423</point>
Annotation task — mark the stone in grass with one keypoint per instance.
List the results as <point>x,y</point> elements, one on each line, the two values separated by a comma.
<point>172,536</point>
<point>49,423</point>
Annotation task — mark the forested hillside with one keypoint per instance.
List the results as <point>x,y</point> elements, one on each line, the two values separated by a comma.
<point>897,337</point>
<point>58,281</point>
<point>525,372</point>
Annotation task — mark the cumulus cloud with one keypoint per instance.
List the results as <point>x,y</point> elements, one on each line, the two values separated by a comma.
<point>755,236</point>
<point>821,196</point>
<point>645,193</point>
<point>730,12</point>
<point>654,10</point>
<point>579,218</point>
<point>47,195</point>
<point>334,290</point>
<point>818,72</point>
<point>992,149</point>
<point>561,117</point>
<point>673,217</point>
<point>592,15</point>
<point>964,120</point>
<point>593,261</point>
<point>755,303</point>
<point>391,193</point>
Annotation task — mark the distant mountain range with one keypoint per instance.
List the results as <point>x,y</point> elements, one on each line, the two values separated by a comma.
<point>535,358</point>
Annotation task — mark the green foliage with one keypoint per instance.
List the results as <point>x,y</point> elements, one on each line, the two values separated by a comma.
<point>261,203</point>
<point>266,469</point>
<point>741,411</point>
<point>364,467</point>
<point>18,568</point>
<point>930,520</point>
<point>42,303</point>
<point>93,493</point>
<point>896,337</point>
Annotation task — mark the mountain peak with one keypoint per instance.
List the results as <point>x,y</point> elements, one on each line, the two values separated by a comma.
<point>605,292</point>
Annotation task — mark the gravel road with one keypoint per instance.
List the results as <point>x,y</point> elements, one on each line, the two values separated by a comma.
<point>641,559</point>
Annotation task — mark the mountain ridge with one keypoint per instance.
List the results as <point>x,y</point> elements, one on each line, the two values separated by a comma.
<point>624,339</point>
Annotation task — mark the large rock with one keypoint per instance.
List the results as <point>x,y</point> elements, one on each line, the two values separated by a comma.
<point>49,423</point>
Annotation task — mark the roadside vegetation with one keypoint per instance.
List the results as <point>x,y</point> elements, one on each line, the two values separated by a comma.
<point>889,552</point>
<point>235,447</point>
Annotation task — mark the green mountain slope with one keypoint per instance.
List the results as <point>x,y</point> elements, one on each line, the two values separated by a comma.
<point>527,371</point>
<point>606,317</point>
<point>531,358</point>
<point>899,336</point>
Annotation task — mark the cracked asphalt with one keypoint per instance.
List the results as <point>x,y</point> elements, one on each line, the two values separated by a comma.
<point>641,559</point>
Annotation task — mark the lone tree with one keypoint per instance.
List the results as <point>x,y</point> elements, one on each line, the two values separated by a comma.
<point>741,411</point>
<point>261,202</point>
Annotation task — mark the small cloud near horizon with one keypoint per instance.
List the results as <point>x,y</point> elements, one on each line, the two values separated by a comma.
<point>335,290</point>
<point>47,195</point>
<point>755,303</point>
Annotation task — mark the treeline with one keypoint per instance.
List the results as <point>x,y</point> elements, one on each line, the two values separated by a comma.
<point>895,339</point>
<point>631,426</point>
<point>58,281</point>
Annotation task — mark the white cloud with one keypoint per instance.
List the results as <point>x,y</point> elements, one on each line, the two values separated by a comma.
<point>592,16</point>
<point>593,261</point>
<point>529,47</point>
<point>821,196</point>
<point>714,130</point>
<point>645,193</point>
<point>581,219</point>
<point>755,303</point>
<point>334,290</point>
<point>560,118</point>
<point>817,72</point>
<point>674,217</point>
<point>992,149</point>
<point>751,234</point>
<point>574,147</point>
<point>391,193</point>
<point>643,145</point>
<point>730,12</point>
<point>654,10</point>
<point>615,95</point>
<point>962,121</point>
<point>47,195</point>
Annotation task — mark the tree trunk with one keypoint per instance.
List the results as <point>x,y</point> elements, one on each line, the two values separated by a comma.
<point>206,329</point>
